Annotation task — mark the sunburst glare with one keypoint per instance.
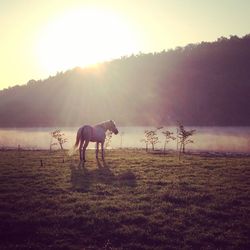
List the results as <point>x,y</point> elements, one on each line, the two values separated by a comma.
<point>83,37</point>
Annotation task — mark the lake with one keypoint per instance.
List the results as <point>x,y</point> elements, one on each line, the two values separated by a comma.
<point>225,139</point>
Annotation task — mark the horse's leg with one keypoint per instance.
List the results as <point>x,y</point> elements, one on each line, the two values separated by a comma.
<point>102,147</point>
<point>97,150</point>
<point>80,150</point>
<point>86,143</point>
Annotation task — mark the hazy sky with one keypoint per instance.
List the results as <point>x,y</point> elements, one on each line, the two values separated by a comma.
<point>39,38</point>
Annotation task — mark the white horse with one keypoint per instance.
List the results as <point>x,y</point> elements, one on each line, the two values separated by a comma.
<point>97,134</point>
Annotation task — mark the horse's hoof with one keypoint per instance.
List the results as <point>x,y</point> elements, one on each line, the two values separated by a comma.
<point>81,163</point>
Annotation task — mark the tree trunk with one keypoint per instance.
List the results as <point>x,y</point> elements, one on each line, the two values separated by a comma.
<point>61,146</point>
<point>183,148</point>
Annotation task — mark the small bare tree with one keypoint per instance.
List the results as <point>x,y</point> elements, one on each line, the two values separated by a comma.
<point>108,139</point>
<point>184,137</point>
<point>168,136</point>
<point>151,138</point>
<point>60,138</point>
<point>145,140</point>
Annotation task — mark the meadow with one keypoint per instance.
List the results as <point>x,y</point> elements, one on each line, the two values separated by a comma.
<point>137,201</point>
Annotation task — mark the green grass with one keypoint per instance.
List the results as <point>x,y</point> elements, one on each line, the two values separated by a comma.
<point>138,201</point>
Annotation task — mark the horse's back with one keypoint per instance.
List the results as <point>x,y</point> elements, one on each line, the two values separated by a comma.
<point>93,134</point>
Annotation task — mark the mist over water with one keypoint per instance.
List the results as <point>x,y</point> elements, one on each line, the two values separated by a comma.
<point>221,139</point>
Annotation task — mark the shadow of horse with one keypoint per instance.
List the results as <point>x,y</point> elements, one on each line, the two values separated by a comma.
<point>82,178</point>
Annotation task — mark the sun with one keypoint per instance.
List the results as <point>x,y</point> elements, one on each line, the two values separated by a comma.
<point>82,37</point>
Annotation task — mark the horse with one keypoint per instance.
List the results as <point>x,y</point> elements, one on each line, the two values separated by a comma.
<point>96,133</point>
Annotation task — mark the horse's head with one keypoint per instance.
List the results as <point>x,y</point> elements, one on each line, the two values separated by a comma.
<point>112,127</point>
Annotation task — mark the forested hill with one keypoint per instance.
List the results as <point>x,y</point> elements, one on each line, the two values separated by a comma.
<point>201,84</point>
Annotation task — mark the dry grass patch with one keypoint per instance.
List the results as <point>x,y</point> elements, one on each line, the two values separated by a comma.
<point>136,201</point>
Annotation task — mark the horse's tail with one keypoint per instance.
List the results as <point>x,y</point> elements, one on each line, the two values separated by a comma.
<point>78,137</point>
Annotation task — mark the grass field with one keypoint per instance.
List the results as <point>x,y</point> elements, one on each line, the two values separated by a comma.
<point>138,201</point>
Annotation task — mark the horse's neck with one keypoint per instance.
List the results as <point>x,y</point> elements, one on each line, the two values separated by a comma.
<point>103,125</point>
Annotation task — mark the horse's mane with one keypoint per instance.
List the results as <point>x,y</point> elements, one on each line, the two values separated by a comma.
<point>104,124</point>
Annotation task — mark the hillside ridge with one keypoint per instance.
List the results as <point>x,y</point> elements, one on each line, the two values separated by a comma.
<point>205,84</point>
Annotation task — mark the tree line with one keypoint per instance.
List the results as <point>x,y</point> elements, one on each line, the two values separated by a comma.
<point>201,84</point>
